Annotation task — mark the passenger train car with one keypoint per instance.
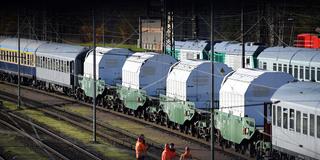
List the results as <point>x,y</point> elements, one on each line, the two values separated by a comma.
<point>9,59</point>
<point>302,63</point>
<point>296,120</point>
<point>189,49</point>
<point>47,65</point>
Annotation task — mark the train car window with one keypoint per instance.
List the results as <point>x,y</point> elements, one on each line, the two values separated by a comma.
<point>305,124</point>
<point>43,62</point>
<point>31,60</point>
<point>311,127</point>
<point>295,71</point>
<point>247,61</point>
<point>291,122</point>
<point>10,57</point>
<point>264,65</point>
<point>298,122</point>
<point>68,67</point>
<point>71,66</point>
<point>301,68</point>
<point>274,114</point>
<point>318,74</point>
<point>64,66</point>
<point>307,73</point>
<point>280,67</point>
<point>285,118</point>
<point>49,63</point>
<point>313,73</point>
<point>274,67</point>
<point>318,126</point>
<point>61,65</point>
<point>285,68</point>
<point>59,69</point>
<point>24,58</point>
<point>28,59</point>
<point>57,65</point>
<point>7,55</point>
<point>16,57</point>
<point>279,116</point>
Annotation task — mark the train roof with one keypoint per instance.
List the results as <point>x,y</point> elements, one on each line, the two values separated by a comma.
<point>235,48</point>
<point>110,62</point>
<point>26,45</point>
<point>136,61</point>
<point>59,50</point>
<point>198,45</point>
<point>243,79</point>
<point>287,54</point>
<point>302,93</point>
<point>184,68</point>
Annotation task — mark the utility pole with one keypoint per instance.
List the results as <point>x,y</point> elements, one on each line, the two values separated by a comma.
<point>212,81</point>
<point>168,32</point>
<point>94,78</point>
<point>19,92</point>
<point>103,28</point>
<point>44,29</point>
<point>242,36</point>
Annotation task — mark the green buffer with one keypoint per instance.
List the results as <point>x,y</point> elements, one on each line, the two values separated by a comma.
<point>86,85</point>
<point>132,98</point>
<point>177,110</point>
<point>234,128</point>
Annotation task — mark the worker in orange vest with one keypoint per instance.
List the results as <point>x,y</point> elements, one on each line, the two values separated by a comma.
<point>141,148</point>
<point>186,155</point>
<point>169,152</point>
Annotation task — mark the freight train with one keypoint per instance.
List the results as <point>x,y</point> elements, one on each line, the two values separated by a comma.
<point>256,111</point>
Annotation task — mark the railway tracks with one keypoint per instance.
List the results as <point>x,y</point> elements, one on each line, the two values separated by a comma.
<point>122,140</point>
<point>57,146</point>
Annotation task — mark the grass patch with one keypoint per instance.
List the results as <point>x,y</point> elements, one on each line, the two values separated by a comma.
<point>132,47</point>
<point>67,129</point>
<point>11,146</point>
<point>83,111</point>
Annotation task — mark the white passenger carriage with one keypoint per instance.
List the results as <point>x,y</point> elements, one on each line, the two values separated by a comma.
<point>59,64</point>
<point>302,63</point>
<point>296,120</point>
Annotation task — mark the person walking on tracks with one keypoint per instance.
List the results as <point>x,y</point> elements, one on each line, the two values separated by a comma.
<point>186,155</point>
<point>141,148</point>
